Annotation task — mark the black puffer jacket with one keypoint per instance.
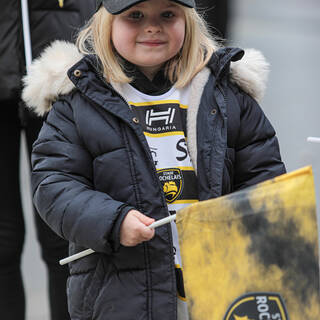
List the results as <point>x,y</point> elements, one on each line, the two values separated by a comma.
<point>48,21</point>
<point>92,163</point>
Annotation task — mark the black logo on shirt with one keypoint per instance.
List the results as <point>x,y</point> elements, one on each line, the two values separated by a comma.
<point>154,155</point>
<point>166,117</point>
<point>161,118</point>
<point>182,147</point>
<point>172,183</point>
<point>254,306</point>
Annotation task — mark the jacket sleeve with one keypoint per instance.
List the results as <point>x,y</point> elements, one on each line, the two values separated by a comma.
<point>257,156</point>
<point>62,184</point>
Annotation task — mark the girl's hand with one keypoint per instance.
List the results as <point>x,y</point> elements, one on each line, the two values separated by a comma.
<point>134,229</point>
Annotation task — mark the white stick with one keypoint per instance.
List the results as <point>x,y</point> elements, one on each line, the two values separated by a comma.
<point>313,139</point>
<point>76,256</point>
<point>26,33</point>
<point>163,221</point>
<point>84,253</point>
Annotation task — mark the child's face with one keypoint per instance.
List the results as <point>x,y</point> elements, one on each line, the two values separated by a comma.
<point>149,34</point>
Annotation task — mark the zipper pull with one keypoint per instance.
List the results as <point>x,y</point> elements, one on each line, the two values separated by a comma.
<point>60,3</point>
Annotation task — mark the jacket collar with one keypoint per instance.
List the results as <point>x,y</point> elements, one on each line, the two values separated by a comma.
<point>221,59</point>
<point>158,86</point>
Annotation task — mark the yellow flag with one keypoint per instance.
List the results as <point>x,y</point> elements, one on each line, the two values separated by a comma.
<point>253,254</point>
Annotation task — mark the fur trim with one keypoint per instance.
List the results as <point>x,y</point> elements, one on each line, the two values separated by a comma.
<point>251,73</point>
<point>197,87</point>
<point>47,77</point>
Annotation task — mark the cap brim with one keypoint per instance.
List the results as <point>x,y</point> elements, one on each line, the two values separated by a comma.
<point>186,3</point>
<point>118,6</point>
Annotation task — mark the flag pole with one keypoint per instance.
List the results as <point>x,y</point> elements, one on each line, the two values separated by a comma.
<point>26,33</point>
<point>86,252</point>
<point>313,139</point>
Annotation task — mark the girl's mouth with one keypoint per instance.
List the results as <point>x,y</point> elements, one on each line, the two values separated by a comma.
<point>152,43</point>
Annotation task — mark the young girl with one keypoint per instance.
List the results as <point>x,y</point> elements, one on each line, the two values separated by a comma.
<point>156,116</point>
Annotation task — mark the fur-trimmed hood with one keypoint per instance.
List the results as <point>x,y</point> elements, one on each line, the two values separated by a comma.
<point>47,77</point>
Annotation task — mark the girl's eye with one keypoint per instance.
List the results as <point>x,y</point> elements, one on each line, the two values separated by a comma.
<point>168,14</point>
<point>136,15</point>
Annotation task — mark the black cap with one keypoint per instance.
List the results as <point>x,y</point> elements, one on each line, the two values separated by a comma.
<point>118,6</point>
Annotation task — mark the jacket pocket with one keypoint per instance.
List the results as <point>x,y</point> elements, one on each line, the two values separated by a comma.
<point>82,289</point>
<point>93,289</point>
<point>228,171</point>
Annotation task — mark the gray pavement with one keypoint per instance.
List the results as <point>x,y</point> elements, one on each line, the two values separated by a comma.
<point>288,33</point>
<point>33,268</point>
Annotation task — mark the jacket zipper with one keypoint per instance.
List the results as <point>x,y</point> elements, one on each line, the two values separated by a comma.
<point>223,94</point>
<point>156,178</point>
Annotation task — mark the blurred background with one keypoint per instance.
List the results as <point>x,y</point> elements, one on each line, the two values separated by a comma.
<point>288,33</point>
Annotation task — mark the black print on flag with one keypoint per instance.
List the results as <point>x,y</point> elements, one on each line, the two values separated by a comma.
<point>260,305</point>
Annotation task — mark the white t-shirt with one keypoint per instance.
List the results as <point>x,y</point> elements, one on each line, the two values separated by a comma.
<point>163,120</point>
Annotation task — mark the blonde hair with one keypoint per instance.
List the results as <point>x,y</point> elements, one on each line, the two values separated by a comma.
<point>196,51</point>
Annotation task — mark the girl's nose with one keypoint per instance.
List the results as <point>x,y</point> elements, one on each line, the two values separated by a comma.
<point>153,27</point>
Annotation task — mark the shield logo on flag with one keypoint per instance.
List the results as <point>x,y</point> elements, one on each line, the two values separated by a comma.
<point>260,305</point>
<point>172,183</point>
